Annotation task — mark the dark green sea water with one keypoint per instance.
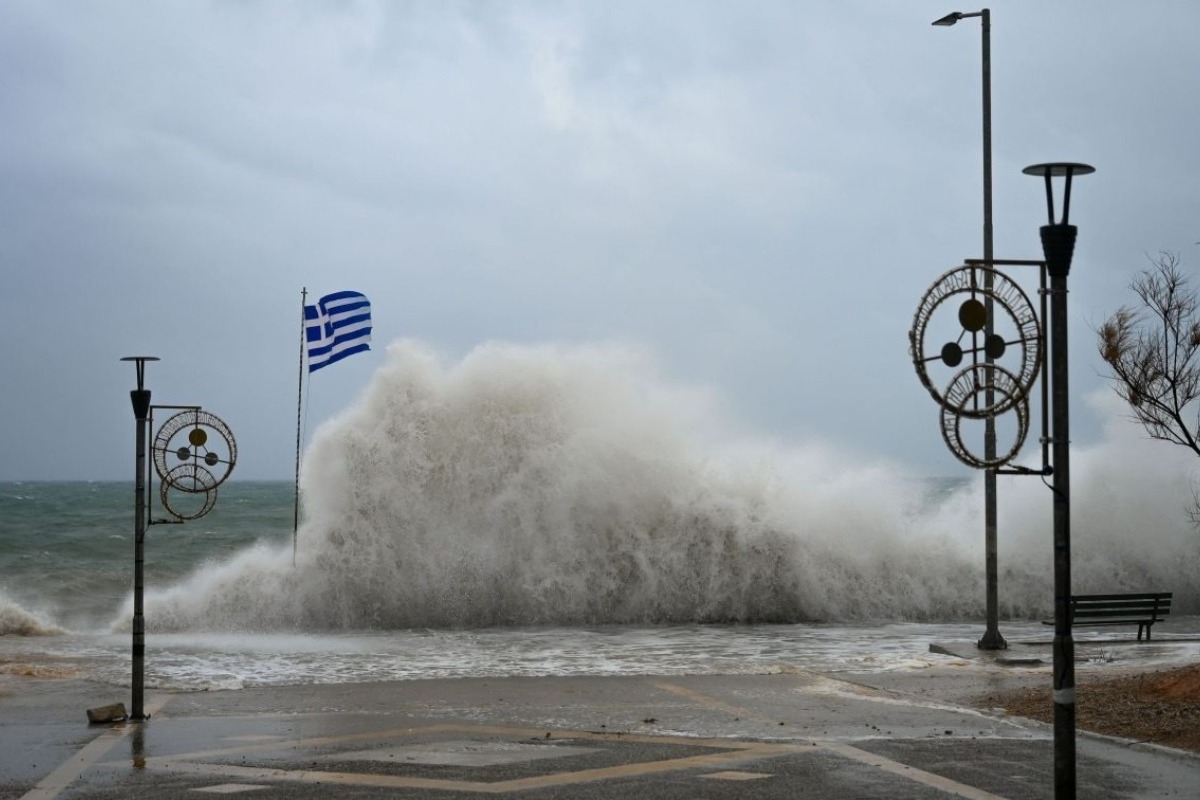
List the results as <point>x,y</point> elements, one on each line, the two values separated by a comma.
<point>66,548</point>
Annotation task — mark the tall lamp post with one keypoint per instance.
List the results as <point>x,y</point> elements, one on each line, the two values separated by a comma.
<point>1058,246</point>
<point>140,397</point>
<point>992,640</point>
<point>188,448</point>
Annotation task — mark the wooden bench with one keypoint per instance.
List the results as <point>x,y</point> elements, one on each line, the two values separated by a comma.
<point>1142,610</point>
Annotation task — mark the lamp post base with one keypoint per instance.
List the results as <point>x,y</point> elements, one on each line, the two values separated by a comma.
<point>992,640</point>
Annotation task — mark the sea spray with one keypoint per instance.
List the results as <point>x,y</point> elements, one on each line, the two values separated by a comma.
<point>1130,527</point>
<point>18,621</point>
<point>567,486</point>
<point>572,486</point>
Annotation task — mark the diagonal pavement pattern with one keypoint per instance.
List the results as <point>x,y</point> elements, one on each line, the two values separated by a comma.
<point>787,735</point>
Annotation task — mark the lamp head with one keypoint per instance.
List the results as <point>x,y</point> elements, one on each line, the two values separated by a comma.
<point>949,19</point>
<point>140,363</point>
<point>1067,169</point>
<point>1058,238</point>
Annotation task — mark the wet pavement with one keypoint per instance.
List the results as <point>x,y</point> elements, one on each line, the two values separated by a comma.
<point>794,734</point>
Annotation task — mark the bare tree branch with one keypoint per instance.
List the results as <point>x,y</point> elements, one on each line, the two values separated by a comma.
<point>1153,352</point>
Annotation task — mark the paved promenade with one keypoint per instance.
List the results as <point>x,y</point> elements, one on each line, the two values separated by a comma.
<point>797,735</point>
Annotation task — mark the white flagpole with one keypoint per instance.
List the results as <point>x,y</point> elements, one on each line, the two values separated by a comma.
<point>299,396</point>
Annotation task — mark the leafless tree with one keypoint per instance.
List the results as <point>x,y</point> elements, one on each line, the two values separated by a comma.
<point>1153,351</point>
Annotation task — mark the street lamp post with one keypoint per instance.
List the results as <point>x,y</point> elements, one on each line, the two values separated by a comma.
<point>140,397</point>
<point>992,639</point>
<point>1058,245</point>
<point>194,452</point>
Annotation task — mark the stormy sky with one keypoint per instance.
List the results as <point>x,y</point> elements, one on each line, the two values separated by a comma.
<point>756,194</point>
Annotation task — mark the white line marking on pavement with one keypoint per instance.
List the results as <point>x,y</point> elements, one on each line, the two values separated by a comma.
<point>912,773</point>
<point>848,751</point>
<point>49,787</point>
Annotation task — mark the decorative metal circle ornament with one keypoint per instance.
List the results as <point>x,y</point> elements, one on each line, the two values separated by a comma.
<point>1019,330</point>
<point>191,480</point>
<point>965,391</point>
<point>196,439</point>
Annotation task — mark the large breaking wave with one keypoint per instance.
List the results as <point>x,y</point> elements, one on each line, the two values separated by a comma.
<point>573,486</point>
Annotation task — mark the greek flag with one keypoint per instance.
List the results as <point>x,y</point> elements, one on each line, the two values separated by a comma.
<point>339,325</point>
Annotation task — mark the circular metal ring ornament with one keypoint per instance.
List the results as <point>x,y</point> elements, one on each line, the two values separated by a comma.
<point>190,479</point>
<point>967,284</point>
<point>965,390</point>
<point>194,438</point>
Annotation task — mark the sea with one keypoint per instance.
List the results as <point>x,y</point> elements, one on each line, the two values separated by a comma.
<point>565,511</point>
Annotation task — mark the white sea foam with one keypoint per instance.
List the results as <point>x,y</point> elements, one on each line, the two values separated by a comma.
<point>572,486</point>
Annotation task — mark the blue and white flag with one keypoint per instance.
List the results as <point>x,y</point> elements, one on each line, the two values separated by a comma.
<point>339,325</point>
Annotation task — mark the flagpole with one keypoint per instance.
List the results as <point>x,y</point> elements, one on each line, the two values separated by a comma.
<point>299,396</point>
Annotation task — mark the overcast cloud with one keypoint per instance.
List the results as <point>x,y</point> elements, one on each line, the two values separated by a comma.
<point>758,194</point>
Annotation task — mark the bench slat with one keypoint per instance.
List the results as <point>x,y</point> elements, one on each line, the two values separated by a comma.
<point>1125,602</point>
<point>1111,604</point>
<point>1143,596</point>
<point>1093,610</point>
